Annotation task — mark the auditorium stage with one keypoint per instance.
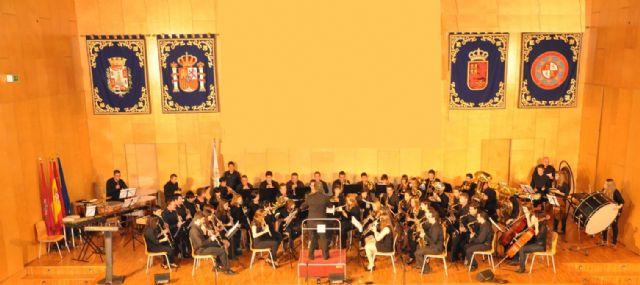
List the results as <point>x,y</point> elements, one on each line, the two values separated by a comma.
<point>603,265</point>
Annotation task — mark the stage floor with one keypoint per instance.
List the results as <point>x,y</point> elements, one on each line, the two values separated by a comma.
<point>603,265</point>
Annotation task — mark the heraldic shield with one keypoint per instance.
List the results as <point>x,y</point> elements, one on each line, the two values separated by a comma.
<point>477,70</point>
<point>187,64</point>
<point>118,74</point>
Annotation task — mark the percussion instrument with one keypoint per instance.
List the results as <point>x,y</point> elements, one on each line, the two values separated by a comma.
<point>593,212</point>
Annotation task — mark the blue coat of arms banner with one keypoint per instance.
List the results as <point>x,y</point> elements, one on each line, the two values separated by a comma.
<point>549,70</point>
<point>118,74</point>
<point>477,62</point>
<point>187,65</point>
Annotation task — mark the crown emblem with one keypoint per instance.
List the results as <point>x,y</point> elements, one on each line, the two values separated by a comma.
<point>187,60</point>
<point>478,55</point>
<point>117,61</point>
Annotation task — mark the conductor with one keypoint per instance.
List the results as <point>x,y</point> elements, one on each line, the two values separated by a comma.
<point>317,204</point>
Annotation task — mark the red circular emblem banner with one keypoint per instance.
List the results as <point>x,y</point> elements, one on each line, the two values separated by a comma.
<point>549,70</point>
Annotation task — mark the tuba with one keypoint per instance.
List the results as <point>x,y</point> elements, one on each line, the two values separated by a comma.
<point>482,178</point>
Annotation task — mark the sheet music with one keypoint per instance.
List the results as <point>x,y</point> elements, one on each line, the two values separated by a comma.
<point>90,211</point>
<point>331,210</point>
<point>553,200</point>
<point>356,223</point>
<point>527,188</point>
<point>233,230</point>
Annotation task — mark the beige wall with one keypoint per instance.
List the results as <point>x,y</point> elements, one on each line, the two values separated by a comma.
<point>611,119</point>
<point>41,115</point>
<point>330,85</point>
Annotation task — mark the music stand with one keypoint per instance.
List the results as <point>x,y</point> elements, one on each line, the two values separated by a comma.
<point>246,194</point>
<point>380,189</point>
<point>108,233</point>
<point>127,193</point>
<point>268,194</point>
<point>352,189</point>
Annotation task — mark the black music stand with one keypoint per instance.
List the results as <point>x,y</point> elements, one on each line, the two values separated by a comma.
<point>268,194</point>
<point>87,244</point>
<point>352,189</point>
<point>246,194</point>
<point>380,189</point>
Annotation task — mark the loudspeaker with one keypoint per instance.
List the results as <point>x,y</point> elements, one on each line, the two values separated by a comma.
<point>162,278</point>
<point>484,276</point>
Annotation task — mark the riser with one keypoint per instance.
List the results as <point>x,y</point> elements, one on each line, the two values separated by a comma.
<point>611,280</point>
<point>607,268</point>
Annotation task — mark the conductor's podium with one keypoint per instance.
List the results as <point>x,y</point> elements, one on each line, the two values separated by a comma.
<point>320,267</point>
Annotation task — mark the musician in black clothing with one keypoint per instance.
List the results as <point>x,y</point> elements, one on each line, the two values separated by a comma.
<point>440,200</point>
<point>201,198</point>
<point>560,212</point>
<point>539,241</point>
<point>490,202</point>
<point>390,199</point>
<point>434,238</point>
<point>254,204</point>
<point>264,237</point>
<point>224,189</point>
<point>549,170</point>
<point>232,176</point>
<point>466,218</point>
<point>270,184</point>
<point>468,186</point>
<point>317,204</point>
<point>613,193</point>
<point>540,181</point>
<point>349,212</point>
<point>317,178</point>
<point>479,241</point>
<point>114,185</point>
<point>403,186</point>
<point>171,187</point>
<point>237,211</point>
<point>224,218</point>
<point>293,184</point>
<point>182,210</point>
<point>244,187</point>
<point>153,234</point>
<point>176,224</point>
<point>341,181</point>
<point>190,202</point>
<point>289,224</point>
<point>208,245</point>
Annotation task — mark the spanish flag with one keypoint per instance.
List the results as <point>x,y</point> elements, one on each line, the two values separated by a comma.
<point>56,202</point>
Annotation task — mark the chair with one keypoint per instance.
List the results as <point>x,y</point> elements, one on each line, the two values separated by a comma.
<point>442,256</point>
<point>43,237</point>
<point>488,253</point>
<point>551,252</point>
<point>151,255</point>
<point>259,250</point>
<point>389,254</point>
<point>197,258</point>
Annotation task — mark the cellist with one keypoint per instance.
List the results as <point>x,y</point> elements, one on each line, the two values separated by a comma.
<point>537,243</point>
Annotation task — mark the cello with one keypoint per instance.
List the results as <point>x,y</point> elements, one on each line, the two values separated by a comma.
<point>524,239</point>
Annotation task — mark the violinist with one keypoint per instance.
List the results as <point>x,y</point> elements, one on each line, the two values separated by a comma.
<point>479,241</point>
<point>537,243</point>
<point>263,237</point>
<point>434,237</point>
<point>208,245</point>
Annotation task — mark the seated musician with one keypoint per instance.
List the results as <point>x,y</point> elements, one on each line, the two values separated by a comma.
<point>244,185</point>
<point>290,222</point>
<point>367,186</point>
<point>337,198</point>
<point>175,223</point>
<point>469,186</point>
<point>351,210</point>
<point>282,192</point>
<point>341,181</point>
<point>562,184</point>
<point>456,196</point>
<point>205,241</point>
<point>465,217</point>
<point>190,202</point>
<point>216,197</point>
<point>403,186</point>
<point>364,202</point>
<point>317,178</point>
<point>263,237</point>
<point>380,241</point>
<point>413,216</point>
<point>239,213</point>
<point>614,194</point>
<point>226,191</point>
<point>293,184</point>
<point>490,202</point>
<point>439,200</point>
<point>384,180</point>
<point>537,243</point>
<point>270,184</point>
<point>201,198</point>
<point>154,237</point>
<point>114,185</point>
<point>254,204</point>
<point>390,199</point>
<point>171,187</point>
<point>427,185</point>
<point>479,241</point>
<point>186,216</point>
<point>434,238</point>
<point>224,218</point>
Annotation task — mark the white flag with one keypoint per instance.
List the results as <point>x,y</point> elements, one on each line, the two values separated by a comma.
<point>215,169</point>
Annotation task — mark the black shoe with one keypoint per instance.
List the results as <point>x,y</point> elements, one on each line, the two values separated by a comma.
<point>427,269</point>
<point>474,268</point>
<point>229,272</point>
<point>520,270</point>
<point>514,262</point>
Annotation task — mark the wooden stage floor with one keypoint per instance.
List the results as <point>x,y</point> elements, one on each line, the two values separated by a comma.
<point>603,265</point>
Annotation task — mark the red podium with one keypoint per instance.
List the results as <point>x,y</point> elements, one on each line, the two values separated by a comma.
<point>319,267</point>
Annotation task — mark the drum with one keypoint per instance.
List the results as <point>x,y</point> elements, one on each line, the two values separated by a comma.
<point>593,212</point>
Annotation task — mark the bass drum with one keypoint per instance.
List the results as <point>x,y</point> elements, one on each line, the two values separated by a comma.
<point>593,212</point>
